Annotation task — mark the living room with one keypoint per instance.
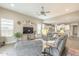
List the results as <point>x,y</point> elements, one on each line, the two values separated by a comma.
<point>37,25</point>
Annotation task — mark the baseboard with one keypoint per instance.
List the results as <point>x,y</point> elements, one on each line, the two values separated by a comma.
<point>10,42</point>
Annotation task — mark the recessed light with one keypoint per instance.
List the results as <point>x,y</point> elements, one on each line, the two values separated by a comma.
<point>12,5</point>
<point>66,9</point>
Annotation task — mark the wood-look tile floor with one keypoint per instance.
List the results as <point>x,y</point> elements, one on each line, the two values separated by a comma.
<point>73,43</point>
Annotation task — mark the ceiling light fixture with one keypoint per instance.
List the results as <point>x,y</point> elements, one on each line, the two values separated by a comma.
<point>12,5</point>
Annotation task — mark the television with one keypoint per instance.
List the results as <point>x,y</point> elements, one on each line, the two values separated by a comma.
<point>27,30</point>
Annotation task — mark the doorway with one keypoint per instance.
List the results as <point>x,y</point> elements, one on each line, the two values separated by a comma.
<point>75,29</point>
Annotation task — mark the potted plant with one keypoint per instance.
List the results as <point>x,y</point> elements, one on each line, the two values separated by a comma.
<point>18,35</point>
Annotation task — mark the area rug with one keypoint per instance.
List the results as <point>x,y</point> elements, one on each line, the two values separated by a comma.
<point>72,52</point>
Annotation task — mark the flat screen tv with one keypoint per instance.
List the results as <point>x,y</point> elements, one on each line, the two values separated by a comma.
<point>27,30</point>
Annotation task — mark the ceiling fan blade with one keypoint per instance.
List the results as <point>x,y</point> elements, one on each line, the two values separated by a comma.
<point>47,12</point>
<point>44,14</point>
<point>38,13</point>
<point>42,8</point>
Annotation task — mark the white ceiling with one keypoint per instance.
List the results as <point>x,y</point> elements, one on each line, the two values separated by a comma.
<point>33,9</point>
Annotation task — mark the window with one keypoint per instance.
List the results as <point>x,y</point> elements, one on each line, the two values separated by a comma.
<point>6,27</point>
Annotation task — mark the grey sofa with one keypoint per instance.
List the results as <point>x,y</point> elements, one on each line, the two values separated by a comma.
<point>59,46</point>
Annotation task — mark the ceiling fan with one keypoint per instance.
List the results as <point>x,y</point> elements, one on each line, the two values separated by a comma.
<point>43,12</point>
